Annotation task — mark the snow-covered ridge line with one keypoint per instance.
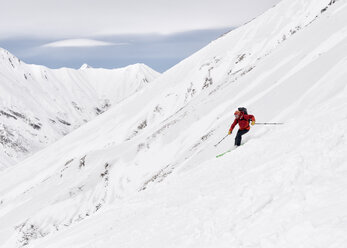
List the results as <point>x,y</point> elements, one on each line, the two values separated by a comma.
<point>247,46</point>
<point>38,105</point>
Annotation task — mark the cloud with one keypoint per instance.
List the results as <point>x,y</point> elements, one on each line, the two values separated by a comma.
<point>157,51</point>
<point>81,43</point>
<point>66,19</point>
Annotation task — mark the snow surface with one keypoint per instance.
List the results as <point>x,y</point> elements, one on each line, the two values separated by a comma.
<point>39,105</point>
<point>149,177</point>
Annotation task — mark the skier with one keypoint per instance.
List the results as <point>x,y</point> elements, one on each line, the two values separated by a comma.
<point>243,119</point>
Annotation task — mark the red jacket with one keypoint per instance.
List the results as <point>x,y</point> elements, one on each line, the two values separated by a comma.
<point>243,121</point>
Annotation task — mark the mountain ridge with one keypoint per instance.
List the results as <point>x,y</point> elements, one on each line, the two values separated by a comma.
<point>67,99</point>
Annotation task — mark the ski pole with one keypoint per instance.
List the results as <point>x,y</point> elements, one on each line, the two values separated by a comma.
<point>221,140</point>
<point>268,123</point>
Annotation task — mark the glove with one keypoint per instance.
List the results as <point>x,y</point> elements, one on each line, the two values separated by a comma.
<point>253,122</point>
<point>229,132</point>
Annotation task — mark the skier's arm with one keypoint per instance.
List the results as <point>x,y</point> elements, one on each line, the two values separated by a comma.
<point>253,119</point>
<point>232,126</point>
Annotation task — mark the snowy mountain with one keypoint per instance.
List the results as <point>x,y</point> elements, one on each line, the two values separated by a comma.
<point>39,105</point>
<point>150,176</point>
<point>85,66</point>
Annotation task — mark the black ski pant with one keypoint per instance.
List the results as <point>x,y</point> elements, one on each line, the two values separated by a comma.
<point>238,137</point>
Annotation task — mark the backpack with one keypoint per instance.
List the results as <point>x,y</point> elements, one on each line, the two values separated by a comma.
<point>242,109</point>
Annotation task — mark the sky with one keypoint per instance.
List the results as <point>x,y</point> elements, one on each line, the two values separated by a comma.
<point>116,33</point>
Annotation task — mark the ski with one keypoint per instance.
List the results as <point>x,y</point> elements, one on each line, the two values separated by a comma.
<point>220,155</point>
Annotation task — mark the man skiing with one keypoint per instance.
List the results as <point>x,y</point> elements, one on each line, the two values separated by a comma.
<point>243,119</point>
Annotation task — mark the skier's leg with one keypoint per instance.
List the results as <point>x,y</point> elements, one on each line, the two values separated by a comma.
<point>238,137</point>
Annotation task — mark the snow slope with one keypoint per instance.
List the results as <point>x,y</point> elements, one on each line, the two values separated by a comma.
<point>39,105</point>
<point>149,177</point>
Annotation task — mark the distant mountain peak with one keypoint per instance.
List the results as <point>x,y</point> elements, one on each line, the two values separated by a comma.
<point>85,66</point>
<point>67,99</point>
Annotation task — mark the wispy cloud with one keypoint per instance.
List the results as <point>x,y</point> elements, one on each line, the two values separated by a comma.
<point>90,18</point>
<point>157,51</point>
<point>81,43</point>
